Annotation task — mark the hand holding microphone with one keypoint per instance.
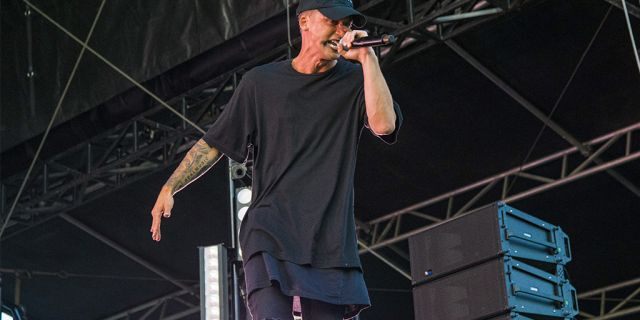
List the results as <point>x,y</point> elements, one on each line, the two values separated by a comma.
<point>371,41</point>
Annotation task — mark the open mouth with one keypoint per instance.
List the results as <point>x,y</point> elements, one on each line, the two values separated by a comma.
<point>333,44</point>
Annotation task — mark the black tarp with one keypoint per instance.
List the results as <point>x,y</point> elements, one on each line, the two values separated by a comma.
<point>144,38</point>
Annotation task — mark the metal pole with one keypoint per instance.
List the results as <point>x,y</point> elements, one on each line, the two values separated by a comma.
<point>410,14</point>
<point>234,239</point>
<point>514,94</point>
<point>30,73</point>
<point>535,111</point>
<point>468,15</point>
<point>612,287</point>
<point>568,179</point>
<point>146,305</point>
<point>182,314</point>
<point>449,195</point>
<point>118,70</point>
<point>619,313</point>
<point>633,41</point>
<point>520,196</point>
<point>383,259</point>
<point>53,117</point>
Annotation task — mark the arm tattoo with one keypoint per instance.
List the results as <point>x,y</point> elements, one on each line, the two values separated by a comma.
<point>198,160</point>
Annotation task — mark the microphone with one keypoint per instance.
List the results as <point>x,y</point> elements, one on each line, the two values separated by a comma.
<point>374,41</point>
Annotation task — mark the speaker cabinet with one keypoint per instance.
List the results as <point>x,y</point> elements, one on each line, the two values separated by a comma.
<point>494,263</point>
<point>502,288</point>
<point>484,234</point>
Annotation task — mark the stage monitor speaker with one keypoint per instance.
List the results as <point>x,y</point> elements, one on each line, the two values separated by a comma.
<point>501,288</point>
<point>484,234</point>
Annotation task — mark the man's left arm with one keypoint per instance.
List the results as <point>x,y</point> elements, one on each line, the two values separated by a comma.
<point>377,97</point>
<point>379,104</point>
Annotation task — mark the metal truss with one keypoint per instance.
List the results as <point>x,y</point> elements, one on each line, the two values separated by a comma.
<point>433,22</point>
<point>552,171</point>
<point>611,302</point>
<point>157,308</point>
<point>150,143</point>
<point>155,140</point>
<point>633,9</point>
<point>88,171</point>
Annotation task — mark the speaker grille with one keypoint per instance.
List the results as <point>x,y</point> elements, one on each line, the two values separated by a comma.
<point>475,293</point>
<point>456,244</point>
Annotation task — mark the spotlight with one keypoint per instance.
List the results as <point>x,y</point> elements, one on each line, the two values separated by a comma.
<point>244,195</point>
<point>243,200</point>
<point>214,296</point>
<point>242,212</point>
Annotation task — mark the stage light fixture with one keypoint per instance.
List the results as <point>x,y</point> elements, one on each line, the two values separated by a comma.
<point>242,212</point>
<point>244,195</point>
<point>214,289</point>
<point>243,200</point>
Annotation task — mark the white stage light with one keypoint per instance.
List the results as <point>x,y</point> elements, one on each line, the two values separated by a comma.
<point>244,195</point>
<point>242,212</point>
<point>214,297</point>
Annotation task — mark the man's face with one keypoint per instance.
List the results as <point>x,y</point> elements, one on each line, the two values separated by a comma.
<point>324,34</point>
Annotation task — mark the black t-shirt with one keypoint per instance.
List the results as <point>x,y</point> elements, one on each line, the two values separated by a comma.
<point>304,129</point>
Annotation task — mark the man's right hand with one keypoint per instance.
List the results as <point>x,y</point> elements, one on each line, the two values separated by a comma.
<point>198,160</point>
<point>162,208</point>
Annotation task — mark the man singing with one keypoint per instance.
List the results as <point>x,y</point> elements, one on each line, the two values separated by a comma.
<point>303,118</point>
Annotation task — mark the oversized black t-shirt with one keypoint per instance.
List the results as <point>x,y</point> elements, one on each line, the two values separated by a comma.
<point>304,130</point>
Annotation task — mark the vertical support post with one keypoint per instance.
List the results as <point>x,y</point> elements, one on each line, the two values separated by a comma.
<point>45,178</point>
<point>165,151</point>
<point>235,246</point>
<point>135,135</point>
<point>17,290</point>
<point>410,13</point>
<point>30,72</point>
<point>449,207</point>
<point>183,105</point>
<point>505,187</point>
<point>397,230</point>
<point>118,175</point>
<point>89,158</point>
<point>3,201</point>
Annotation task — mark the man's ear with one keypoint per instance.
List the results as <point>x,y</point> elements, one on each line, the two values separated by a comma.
<point>303,22</point>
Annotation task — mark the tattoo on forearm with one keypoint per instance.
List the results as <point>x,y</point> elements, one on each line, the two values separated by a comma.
<point>197,161</point>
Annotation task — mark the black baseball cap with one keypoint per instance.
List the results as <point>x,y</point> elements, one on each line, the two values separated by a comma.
<point>334,10</point>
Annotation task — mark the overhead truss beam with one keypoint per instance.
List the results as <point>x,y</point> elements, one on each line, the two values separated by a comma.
<point>633,9</point>
<point>544,174</point>
<point>154,306</point>
<point>611,302</point>
<point>153,141</point>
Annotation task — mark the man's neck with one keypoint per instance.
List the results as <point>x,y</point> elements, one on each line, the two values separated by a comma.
<point>309,63</point>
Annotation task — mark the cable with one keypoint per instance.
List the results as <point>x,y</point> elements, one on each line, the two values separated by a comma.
<point>114,67</point>
<point>53,118</point>
<point>557,103</point>
<point>85,46</point>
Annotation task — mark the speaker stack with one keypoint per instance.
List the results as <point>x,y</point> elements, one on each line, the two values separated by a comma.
<point>493,263</point>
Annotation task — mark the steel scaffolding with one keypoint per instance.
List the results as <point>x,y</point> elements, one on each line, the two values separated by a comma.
<point>611,302</point>
<point>155,140</point>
